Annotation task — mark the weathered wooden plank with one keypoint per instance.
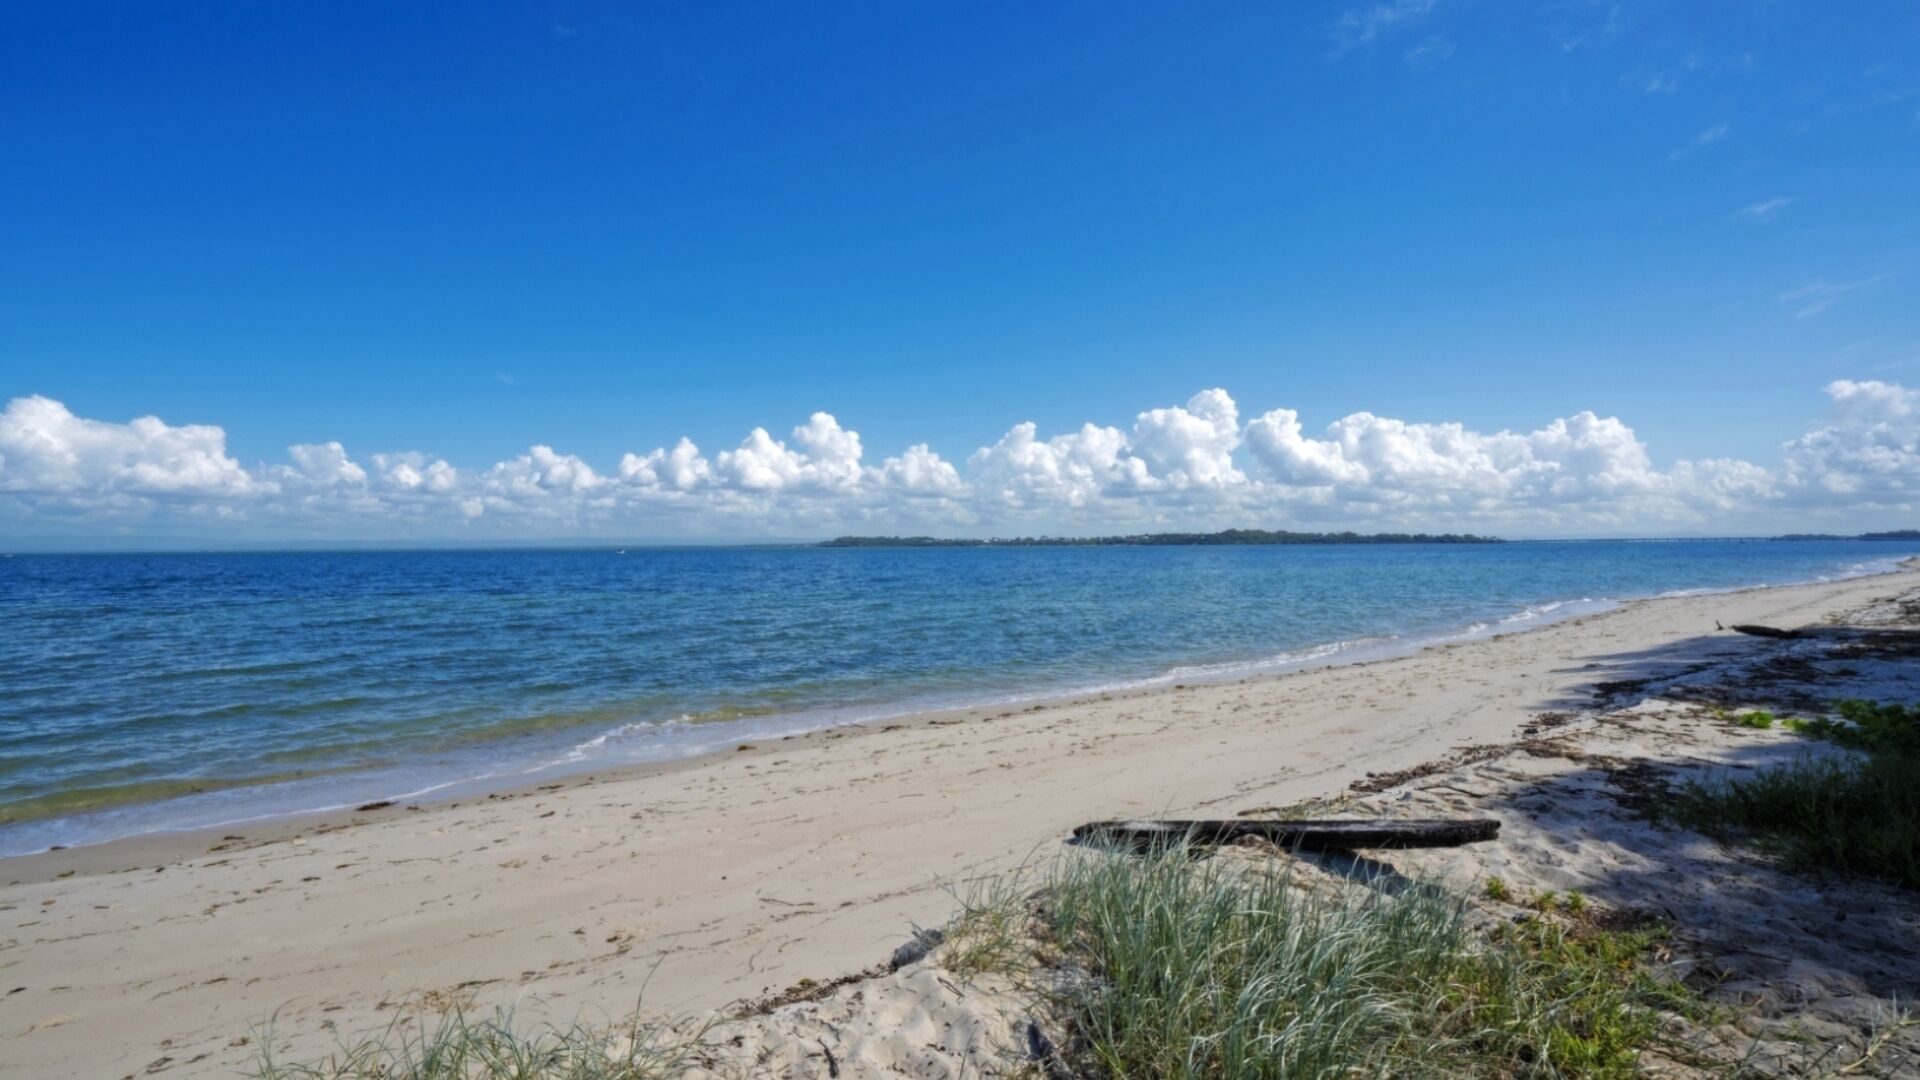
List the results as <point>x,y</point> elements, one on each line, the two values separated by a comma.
<point>1763,631</point>
<point>1330,835</point>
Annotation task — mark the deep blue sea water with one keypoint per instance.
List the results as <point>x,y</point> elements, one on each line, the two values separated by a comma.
<point>149,692</point>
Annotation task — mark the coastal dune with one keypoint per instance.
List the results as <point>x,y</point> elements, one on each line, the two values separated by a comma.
<point>697,885</point>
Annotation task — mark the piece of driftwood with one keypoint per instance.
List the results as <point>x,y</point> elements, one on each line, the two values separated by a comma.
<point>1763,631</point>
<point>1042,1052</point>
<point>924,942</point>
<point>1305,835</point>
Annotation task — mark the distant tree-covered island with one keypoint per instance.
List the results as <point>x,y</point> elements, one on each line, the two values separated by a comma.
<point>1896,534</point>
<point>1224,537</point>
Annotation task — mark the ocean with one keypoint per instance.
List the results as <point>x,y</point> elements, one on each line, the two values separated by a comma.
<point>143,693</point>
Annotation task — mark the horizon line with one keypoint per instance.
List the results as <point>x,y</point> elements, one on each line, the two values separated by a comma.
<point>294,547</point>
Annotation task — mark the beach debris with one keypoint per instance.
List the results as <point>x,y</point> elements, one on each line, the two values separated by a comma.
<point>1322,835</point>
<point>1762,631</point>
<point>1043,1052</point>
<point>924,942</point>
<point>379,805</point>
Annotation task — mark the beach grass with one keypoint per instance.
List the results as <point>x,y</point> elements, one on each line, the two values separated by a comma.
<point>1182,967</point>
<point>1856,814</point>
<point>992,929</point>
<point>1178,966</point>
<point>453,1045</point>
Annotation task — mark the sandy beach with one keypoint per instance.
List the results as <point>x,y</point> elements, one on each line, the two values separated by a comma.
<point>733,877</point>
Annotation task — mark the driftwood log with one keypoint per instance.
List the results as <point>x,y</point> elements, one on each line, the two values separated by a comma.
<point>1304,835</point>
<point>1763,631</point>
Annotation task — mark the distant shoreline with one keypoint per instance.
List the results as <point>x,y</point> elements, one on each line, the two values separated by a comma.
<point>391,547</point>
<point>1897,534</point>
<point>1226,537</point>
<point>1265,537</point>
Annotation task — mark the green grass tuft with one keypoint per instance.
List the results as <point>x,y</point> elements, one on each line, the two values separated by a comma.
<point>1858,816</point>
<point>455,1046</point>
<point>1197,969</point>
<point>992,933</point>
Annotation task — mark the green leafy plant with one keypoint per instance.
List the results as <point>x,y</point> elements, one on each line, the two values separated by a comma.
<point>1871,727</point>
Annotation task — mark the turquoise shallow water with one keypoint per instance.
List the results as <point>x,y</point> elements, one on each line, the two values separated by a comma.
<point>148,692</point>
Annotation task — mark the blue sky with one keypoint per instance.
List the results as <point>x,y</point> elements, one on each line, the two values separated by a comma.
<point>469,229</point>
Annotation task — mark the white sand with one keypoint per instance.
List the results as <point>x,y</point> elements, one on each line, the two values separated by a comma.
<point>737,876</point>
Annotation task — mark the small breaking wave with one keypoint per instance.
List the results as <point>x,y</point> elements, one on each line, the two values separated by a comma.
<point>1545,610</point>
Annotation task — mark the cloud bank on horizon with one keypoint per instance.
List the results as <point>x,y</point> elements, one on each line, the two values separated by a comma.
<point>1192,466</point>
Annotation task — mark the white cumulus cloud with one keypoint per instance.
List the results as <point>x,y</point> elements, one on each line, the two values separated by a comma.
<point>542,472</point>
<point>826,455</point>
<point>1376,453</point>
<point>411,471</point>
<point>1868,451</point>
<point>1187,466</point>
<point>1022,470</point>
<point>1191,446</point>
<point>920,471</point>
<point>45,448</point>
<point>681,468</point>
<point>325,464</point>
